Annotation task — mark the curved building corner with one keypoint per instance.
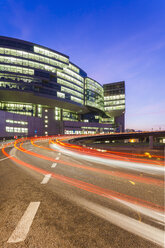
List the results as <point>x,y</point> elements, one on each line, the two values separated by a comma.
<point>43,93</point>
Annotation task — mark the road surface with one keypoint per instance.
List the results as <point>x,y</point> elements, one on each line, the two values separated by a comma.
<point>60,197</point>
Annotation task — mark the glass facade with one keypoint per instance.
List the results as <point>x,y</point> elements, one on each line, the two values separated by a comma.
<point>114,96</point>
<point>69,115</point>
<point>94,94</point>
<point>66,74</point>
<point>51,54</point>
<point>109,120</point>
<point>41,72</point>
<point>18,108</point>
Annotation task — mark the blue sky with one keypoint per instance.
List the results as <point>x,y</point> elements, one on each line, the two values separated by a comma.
<point>111,40</point>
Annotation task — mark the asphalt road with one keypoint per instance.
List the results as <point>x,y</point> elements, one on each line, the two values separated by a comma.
<point>72,206</point>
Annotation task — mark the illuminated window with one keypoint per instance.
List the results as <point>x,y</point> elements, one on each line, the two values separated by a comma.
<point>16,129</point>
<point>70,85</point>
<point>69,115</point>
<point>32,56</point>
<point>60,94</point>
<point>70,72</point>
<point>115,107</point>
<point>74,68</point>
<point>94,94</point>
<point>17,122</point>
<point>113,97</point>
<point>39,111</point>
<point>93,85</point>
<point>18,108</point>
<point>69,78</point>
<point>117,102</point>
<point>73,92</point>
<point>57,114</point>
<point>49,53</point>
<point>75,99</point>
<point>15,69</point>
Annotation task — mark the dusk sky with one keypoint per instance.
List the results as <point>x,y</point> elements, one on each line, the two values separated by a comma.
<point>111,40</point>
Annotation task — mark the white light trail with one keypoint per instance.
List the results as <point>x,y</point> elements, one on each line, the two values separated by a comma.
<point>154,215</point>
<point>147,168</point>
<point>127,223</point>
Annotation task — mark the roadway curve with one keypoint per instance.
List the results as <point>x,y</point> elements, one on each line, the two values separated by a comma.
<point>78,197</point>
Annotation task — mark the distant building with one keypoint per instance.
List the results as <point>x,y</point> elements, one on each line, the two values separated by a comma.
<point>43,93</point>
<point>114,102</point>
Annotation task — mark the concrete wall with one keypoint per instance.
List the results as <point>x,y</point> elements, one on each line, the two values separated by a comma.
<point>54,127</point>
<point>38,126</point>
<point>34,123</point>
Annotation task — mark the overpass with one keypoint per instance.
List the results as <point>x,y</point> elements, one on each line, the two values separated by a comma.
<point>122,136</point>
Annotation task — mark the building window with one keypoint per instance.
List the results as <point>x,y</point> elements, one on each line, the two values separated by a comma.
<point>17,122</point>
<point>60,94</point>
<point>16,130</point>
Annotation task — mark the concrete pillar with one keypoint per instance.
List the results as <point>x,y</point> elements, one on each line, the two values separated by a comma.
<point>151,142</point>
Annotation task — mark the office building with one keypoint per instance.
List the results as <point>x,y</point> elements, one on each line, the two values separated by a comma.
<point>114,102</point>
<point>43,93</point>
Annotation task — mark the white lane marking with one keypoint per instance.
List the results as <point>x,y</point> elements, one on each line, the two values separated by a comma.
<point>57,158</point>
<point>6,158</point>
<point>59,153</point>
<point>53,165</point>
<point>23,227</point>
<point>46,178</point>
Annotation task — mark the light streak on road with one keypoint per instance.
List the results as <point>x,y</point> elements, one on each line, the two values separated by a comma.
<point>141,229</point>
<point>149,169</point>
<point>93,169</point>
<point>107,154</point>
<point>154,215</point>
<point>130,213</point>
<point>109,194</point>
